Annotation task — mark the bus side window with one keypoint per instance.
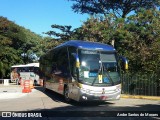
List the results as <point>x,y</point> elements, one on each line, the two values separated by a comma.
<point>62,61</point>
<point>73,64</point>
<point>36,70</point>
<point>72,61</point>
<point>55,69</point>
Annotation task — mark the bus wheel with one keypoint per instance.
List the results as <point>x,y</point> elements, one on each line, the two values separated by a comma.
<point>66,94</point>
<point>44,87</point>
<point>35,82</point>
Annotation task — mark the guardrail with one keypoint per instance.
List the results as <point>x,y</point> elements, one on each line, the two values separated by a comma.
<point>6,82</point>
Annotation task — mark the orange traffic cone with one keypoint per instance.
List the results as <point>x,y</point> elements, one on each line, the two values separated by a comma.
<point>26,87</point>
<point>41,82</point>
<point>60,87</point>
<point>31,84</point>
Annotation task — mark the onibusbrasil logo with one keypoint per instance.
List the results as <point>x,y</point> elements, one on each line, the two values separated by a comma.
<point>21,114</point>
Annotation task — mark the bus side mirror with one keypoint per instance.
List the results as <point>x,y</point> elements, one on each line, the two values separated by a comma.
<point>123,63</point>
<point>77,60</point>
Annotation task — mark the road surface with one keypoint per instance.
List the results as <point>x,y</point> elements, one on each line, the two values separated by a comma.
<point>52,106</point>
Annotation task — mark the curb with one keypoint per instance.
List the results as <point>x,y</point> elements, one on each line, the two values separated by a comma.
<point>140,97</point>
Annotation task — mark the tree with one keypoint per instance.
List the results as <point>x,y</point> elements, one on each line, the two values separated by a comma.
<point>29,48</point>
<point>17,45</point>
<point>121,8</point>
<point>64,32</point>
<point>60,34</point>
<point>46,44</point>
<point>9,42</point>
<point>137,37</point>
<point>98,29</point>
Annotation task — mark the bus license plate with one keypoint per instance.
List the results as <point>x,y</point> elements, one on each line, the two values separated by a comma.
<point>103,97</point>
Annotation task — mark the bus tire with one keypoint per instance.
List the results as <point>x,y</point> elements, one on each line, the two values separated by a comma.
<point>35,82</point>
<point>66,94</point>
<point>44,87</point>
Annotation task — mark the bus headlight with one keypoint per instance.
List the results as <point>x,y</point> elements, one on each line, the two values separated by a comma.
<point>84,97</point>
<point>88,91</point>
<point>85,91</point>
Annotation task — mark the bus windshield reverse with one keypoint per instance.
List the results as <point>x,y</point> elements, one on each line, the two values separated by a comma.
<point>83,71</point>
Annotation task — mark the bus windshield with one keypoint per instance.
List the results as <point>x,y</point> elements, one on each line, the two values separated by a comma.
<point>95,63</point>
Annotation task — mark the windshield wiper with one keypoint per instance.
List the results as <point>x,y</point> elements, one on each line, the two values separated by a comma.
<point>108,74</point>
<point>102,68</point>
<point>96,77</point>
<point>101,71</point>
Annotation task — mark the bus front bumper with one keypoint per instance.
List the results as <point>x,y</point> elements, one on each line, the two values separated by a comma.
<point>100,97</point>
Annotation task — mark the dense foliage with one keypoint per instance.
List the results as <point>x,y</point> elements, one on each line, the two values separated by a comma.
<point>17,45</point>
<point>137,37</point>
<point>120,8</point>
<point>64,34</point>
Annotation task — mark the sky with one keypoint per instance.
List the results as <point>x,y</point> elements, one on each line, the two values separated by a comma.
<point>39,15</point>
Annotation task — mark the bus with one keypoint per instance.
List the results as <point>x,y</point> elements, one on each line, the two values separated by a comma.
<point>25,72</point>
<point>83,71</point>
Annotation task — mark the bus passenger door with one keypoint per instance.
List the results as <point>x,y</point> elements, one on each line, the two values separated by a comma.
<point>73,88</point>
<point>74,77</point>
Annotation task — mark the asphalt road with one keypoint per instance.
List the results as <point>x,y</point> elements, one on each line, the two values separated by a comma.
<point>53,106</point>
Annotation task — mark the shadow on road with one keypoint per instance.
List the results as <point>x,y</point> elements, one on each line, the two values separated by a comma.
<point>97,110</point>
<point>60,98</point>
<point>90,110</point>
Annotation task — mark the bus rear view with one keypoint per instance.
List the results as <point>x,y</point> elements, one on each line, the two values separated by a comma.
<point>90,71</point>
